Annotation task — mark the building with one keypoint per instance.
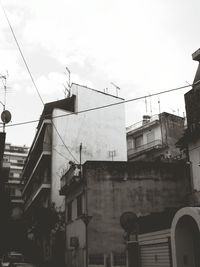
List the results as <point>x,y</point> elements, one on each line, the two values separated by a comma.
<point>155,137</point>
<point>66,135</point>
<point>15,156</point>
<point>179,239</point>
<point>191,138</point>
<point>97,196</point>
<point>4,198</point>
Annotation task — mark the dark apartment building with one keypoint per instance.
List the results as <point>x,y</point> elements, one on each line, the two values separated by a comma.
<point>15,156</point>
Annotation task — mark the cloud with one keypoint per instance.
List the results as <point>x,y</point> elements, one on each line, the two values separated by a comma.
<point>142,46</point>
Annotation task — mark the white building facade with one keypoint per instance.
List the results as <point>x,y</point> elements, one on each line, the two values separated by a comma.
<point>71,130</point>
<point>101,132</point>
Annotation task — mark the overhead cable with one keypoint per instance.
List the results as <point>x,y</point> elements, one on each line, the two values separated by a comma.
<point>32,79</point>
<point>105,106</point>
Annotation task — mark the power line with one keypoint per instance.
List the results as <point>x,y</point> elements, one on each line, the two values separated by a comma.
<point>124,101</point>
<point>32,79</point>
<point>105,106</point>
<point>62,155</point>
<point>24,60</point>
<point>64,143</point>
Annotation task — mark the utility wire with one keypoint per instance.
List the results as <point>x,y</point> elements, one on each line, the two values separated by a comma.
<point>24,60</point>
<point>32,79</point>
<point>105,106</point>
<point>64,143</point>
<point>62,155</point>
<point>124,101</point>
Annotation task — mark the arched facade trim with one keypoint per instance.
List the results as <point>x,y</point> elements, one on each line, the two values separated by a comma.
<point>194,213</point>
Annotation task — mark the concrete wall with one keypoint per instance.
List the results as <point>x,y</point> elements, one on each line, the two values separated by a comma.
<point>172,131</point>
<point>194,155</point>
<point>115,187</point>
<point>99,131</point>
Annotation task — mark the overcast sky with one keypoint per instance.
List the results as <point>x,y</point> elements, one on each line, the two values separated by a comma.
<point>142,46</point>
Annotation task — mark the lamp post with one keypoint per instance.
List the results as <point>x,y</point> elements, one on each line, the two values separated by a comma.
<point>129,222</point>
<point>3,121</point>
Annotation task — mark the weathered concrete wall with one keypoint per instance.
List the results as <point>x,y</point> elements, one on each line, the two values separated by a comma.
<point>194,155</point>
<point>99,131</point>
<point>172,130</point>
<point>140,187</point>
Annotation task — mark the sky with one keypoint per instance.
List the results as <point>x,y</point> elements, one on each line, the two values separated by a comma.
<point>142,46</point>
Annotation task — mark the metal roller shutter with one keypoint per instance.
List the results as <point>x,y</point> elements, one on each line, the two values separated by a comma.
<point>155,255</point>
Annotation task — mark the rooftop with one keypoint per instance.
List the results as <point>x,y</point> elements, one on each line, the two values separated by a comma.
<point>98,91</point>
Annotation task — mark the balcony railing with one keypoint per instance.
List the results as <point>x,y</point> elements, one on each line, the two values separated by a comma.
<point>71,178</point>
<point>156,144</point>
<point>142,123</point>
<point>16,199</point>
<point>35,190</point>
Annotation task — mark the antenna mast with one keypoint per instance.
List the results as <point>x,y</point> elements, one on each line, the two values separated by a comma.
<point>4,80</point>
<point>150,105</point>
<point>145,104</point>
<point>69,74</point>
<point>116,87</point>
<point>5,115</point>
<point>159,106</point>
<point>67,88</point>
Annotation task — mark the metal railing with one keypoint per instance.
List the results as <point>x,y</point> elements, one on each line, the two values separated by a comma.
<point>142,123</point>
<point>154,144</point>
<point>43,182</point>
<point>73,174</point>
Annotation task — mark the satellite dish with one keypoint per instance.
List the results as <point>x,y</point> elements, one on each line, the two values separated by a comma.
<point>6,116</point>
<point>128,221</point>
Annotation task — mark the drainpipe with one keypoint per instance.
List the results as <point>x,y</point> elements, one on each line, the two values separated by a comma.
<point>86,218</point>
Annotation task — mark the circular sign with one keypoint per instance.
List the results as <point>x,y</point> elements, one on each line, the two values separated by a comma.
<point>128,221</point>
<point>6,116</point>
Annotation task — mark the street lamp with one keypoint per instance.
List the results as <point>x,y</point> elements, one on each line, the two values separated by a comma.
<point>3,121</point>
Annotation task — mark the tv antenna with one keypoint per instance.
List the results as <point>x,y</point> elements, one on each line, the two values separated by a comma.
<point>116,87</point>
<point>5,115</point>
<point>4,82</point>
<point>112,154</point>
<point>69,76</point>
<point>150,104</point>
<point>146,104</point>
<point>66,91</point>
<point>159,110</point>
<point>67,88</point>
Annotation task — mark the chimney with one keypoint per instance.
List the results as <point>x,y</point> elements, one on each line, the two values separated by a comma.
<point>196,57</point>
<point>146,119</point>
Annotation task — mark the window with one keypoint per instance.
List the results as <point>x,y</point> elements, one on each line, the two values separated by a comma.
<point>139,141</point>
<point>16,175</point>
<point>150,136</point>
<point>79,205</point>
<point>130,142</point>
<point>69,211</point>
<point>12,192</point>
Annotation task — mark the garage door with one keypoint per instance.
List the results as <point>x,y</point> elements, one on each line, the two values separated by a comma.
<point>155,255</point>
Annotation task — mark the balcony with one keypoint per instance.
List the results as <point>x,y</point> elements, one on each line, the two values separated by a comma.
<point>70,179</point>
<point>16,199</point>
<point>141,124</point>
<point>43,160</point>
<point>42,185</point>
<point>41,147</point>
<point>156,144</point>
